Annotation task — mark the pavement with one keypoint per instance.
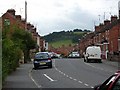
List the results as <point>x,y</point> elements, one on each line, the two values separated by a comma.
<point>21,77</point>
<point>112,63</point>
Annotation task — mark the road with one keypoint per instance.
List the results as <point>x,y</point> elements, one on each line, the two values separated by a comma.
<point>71,73</point>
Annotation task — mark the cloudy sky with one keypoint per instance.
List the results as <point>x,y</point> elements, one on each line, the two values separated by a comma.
<point>58,15</point>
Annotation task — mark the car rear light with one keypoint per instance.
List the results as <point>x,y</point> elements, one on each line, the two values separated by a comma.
<point>88,55</point>
<point>49,58</point>
<point>35,61</point>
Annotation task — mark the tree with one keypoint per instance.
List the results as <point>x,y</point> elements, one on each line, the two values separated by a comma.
<point>24,40</point>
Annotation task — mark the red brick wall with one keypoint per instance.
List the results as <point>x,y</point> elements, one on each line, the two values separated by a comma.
<point>113,39</point>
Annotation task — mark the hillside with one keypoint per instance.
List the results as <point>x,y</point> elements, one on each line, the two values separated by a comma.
<point>57,39</point>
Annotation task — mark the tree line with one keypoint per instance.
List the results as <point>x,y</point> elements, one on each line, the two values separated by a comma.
<point>73,35</point>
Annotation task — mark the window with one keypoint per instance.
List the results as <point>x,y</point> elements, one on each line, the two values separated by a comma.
<point>42,56</point>
<point>7,22</point>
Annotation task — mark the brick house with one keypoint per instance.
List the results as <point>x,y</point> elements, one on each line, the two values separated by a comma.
<point>106,35</point>
<point>10,19</point>
<point>64,50</point>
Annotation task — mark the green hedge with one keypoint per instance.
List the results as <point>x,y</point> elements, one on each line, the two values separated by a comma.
<point>10,57</point>
<point>14,43</point>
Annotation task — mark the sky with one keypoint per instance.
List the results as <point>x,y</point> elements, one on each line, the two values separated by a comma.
<point>57,15</point>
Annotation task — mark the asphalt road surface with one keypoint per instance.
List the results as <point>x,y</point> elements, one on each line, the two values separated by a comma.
<point>71,73</point>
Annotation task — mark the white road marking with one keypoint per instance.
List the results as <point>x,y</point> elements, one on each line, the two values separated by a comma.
<point>86,84</point>
<point>64,74</point>
<point>67,76</point>
<point>75,79</point>
<point>71,77</point>
<point>49,78</point>
<point>80,82</point>
<point>39,86</point>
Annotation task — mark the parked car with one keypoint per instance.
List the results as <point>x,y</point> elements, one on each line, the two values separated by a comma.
<point>74,55</point>
<point>42,59</point>
<point>112,83</point>
<point>54,55</point>
<point>92,53</point>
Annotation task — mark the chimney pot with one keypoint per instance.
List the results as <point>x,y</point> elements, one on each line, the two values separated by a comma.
<point>18,17</point>
<point>11,11</point>
<point>113,18</point>
<point>97,28</point>
<point>106,22</point>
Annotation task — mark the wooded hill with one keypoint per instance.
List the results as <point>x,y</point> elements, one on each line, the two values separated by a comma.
<point>56,39</point>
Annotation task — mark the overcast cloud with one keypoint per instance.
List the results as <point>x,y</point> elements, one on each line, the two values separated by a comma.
<point>57,15</point>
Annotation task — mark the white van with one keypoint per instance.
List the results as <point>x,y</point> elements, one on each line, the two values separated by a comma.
<point>92,53</point>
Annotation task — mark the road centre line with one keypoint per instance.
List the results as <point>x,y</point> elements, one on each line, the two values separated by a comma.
<point>86,84</point>
<point>75,79</point>
<point>49,78</point>
<point>71,77</point>
<point>80,82</point>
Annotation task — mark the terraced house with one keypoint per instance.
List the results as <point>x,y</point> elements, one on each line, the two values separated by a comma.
<point>107,36</point>
<point>9,18</point>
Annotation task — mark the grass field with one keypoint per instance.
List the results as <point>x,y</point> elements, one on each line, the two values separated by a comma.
<point>62,42</point>
<point>79,33</point>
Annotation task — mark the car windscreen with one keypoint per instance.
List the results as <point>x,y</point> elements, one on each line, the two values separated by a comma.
<point>42,56</point>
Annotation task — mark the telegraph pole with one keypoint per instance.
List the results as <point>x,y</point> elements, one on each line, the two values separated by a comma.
<point>99,18</point>
<point>26,15</point>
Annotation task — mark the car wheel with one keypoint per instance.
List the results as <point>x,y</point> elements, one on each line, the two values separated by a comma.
<point>50,66</point>
<point>100,61</point>
<point>87,60</point>
<point>84,60</point>
<point>35,67</point>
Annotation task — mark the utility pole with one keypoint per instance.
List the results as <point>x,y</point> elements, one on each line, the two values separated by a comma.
<point>26,15</point>
<point>119,9</point>
<point>99,18</point>
<point>104,16</point>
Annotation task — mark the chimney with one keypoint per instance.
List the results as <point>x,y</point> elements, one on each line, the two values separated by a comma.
<point>11,11</point>
<point>23,21</point>
<point>106,22</point>
<point>97,28</point>
<point>101,25</point>
<point>113,18</point>
<point>28,26</point>
<point>18,17</point>
<point>35,29</point>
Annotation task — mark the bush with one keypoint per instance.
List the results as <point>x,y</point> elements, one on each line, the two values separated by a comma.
<point>13,44</point>
<point>10,57</point>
